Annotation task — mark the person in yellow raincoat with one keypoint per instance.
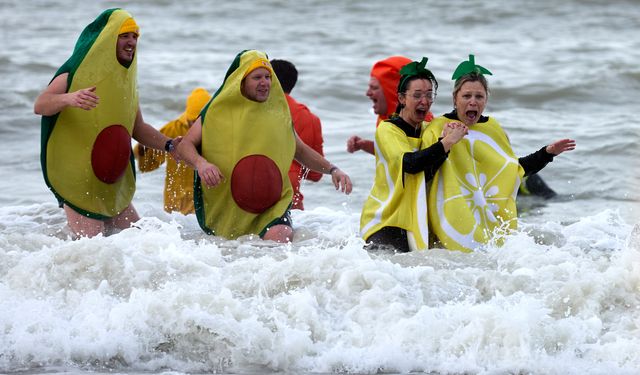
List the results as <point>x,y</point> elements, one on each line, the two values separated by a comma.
<point>90,112</point>
<point>394,215</point>
<point>242,146</point>
<point>472,195</point>
<point>178,182</point>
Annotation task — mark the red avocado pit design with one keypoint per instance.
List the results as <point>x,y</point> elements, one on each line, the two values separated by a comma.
<point>111,154</point>
<point>256,183</point>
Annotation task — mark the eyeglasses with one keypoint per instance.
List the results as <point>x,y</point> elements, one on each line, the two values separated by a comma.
<point>429,95</point>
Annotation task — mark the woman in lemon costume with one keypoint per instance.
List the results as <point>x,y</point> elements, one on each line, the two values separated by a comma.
<point>247,143</point>
<point>394,215</point>
<point>472,195</point>
<point>90,113</point>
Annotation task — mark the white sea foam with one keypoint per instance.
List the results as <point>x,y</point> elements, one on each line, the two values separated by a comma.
<point>147,299</point>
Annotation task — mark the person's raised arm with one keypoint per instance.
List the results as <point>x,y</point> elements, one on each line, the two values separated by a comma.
<point>55,97</point>
<point>188,151</point>
<point>356,143</point>
<point>311,159</point>
<point>558,147</point>
<point>534,162</point>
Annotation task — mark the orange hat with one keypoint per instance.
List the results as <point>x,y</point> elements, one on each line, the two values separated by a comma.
<point>258,63</point>
<point>387,72</point>
<point>129,26</point>
<point>198,98</point>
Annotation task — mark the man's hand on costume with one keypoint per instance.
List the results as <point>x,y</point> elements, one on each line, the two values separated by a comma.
<point>209,174</point>
<point>341,181</point>
<point>84,98</point>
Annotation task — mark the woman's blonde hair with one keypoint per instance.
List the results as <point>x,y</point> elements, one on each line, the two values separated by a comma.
<point>471,77</point>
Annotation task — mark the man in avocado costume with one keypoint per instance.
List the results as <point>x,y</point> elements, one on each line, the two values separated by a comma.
<point>241,147</point>
<point>90,112</point>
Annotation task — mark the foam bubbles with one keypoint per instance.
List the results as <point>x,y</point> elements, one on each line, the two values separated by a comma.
<point>150,298</point>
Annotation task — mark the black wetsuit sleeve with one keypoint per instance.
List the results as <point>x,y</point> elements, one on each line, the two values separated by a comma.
<point>533,163</point>
<point>427,160</point>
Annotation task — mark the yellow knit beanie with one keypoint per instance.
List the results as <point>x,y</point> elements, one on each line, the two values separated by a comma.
<point>258,63</point>
<point>198,98</point>
<point>129,26</point>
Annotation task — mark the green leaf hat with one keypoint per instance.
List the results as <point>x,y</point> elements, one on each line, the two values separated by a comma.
<point>468,67</point>
<point>414,69</point>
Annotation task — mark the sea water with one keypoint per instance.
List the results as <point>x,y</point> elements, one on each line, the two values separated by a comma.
<point>560,296</point>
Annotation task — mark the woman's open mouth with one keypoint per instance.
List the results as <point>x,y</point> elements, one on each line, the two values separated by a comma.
<point>472,115</point>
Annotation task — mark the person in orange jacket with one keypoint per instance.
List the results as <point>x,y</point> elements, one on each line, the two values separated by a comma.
<point>382,90</point>
<point>178,183</point>
<point>306,124</point>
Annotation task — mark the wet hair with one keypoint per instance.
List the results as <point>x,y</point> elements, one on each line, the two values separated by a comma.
<point>471,77</point>
<point>286,72</point>
<point>404,83</point>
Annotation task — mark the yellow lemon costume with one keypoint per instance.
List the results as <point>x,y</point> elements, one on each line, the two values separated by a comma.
<point>474,191</point>
<point>397,199</point>
<point>86,155</point>
<point>253,144</point>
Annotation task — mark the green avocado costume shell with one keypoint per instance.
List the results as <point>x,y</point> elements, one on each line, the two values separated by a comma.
<point>474,191</point>
<point>86,155</point>
<point>397,199</point>
<point>253,144</point>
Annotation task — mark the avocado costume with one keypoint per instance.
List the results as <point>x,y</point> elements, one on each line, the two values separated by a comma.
<point>253,144</point>
<point>397,199</point>
<point>86,155</point>
<point>474,191</point>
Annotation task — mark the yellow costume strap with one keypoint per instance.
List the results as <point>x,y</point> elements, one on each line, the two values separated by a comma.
<point>473,193</point>
<point>397,199</point>
<point>236,130</point>
<point>80,137</point>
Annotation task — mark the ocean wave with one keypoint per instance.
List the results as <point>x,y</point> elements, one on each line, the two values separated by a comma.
<point>147,299</point>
